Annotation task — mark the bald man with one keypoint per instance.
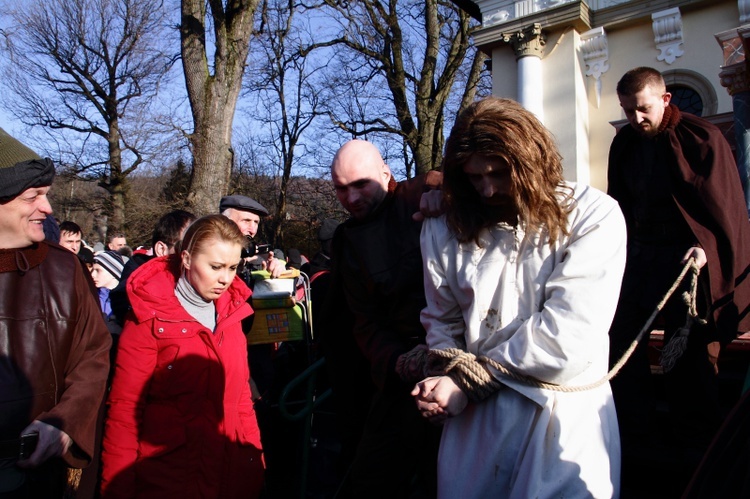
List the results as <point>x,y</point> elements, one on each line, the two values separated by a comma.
<point>389,450</point>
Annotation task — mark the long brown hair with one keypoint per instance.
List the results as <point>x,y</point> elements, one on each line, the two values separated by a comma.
<point>502,129</point>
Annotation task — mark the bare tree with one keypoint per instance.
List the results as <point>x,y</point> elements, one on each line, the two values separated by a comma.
<point>213,71</point>
<point>281,79</point>
<point>86,71</point>
<point>416,49</point>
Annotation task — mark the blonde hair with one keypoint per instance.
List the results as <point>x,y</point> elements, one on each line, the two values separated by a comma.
<point>210,228</point>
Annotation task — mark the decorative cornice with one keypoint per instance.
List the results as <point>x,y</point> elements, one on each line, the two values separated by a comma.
<point>667,26</point>
<point>581,15</point>
<point>595,53</point>
<point>638,10</point>
<point>574,14</point>
<point>526,42</point>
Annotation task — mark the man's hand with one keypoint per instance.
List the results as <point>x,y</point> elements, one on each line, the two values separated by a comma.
<point>52,443</point>
<point>410,365</point>
<point>697,253</point>
<point>439,398</point>
<point>430,205</point>
<point>274,266</point>
<point>713,349</point>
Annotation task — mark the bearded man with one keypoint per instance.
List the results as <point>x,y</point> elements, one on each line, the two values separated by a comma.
<point>675,179</point>
<point>522,274</point>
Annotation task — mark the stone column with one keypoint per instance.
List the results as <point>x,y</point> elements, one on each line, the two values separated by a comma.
<point>735,77</point>
<point>528,45</point>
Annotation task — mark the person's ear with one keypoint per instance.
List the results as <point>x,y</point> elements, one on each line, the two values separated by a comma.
<point>161,249</point>
<point>667,98</point>
<point>186,260</point>
<point>386,173</point>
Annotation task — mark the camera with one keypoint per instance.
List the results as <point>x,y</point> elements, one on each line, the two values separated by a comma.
<point>27,445</point>
<point>253,248</point>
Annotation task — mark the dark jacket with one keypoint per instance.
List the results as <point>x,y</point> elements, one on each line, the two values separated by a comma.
<point>706,187</point>
<point>54,347</point>
<point>119,296</point>
<point>378,264</point>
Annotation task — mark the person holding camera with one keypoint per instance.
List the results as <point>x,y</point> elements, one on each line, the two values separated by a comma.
<point>246,213</point>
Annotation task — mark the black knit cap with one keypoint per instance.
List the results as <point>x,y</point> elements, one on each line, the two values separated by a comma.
<point>21,168</point>
<point>327,229</point>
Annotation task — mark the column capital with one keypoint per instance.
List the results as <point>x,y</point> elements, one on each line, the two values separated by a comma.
<point>528,41</point>
<point>734,75</point>
<point>735,79</point>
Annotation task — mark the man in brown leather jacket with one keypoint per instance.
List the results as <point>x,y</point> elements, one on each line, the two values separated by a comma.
<point>54,346</point>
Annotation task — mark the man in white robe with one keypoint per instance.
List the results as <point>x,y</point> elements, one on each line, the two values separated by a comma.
<point>523,271</point>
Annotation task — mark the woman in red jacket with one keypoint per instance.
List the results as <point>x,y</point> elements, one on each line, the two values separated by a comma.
<point>180,420</point>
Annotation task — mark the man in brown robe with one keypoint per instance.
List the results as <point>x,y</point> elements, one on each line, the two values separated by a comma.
<point>676,181</point>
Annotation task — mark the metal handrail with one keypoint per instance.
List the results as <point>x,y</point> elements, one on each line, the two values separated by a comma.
<point>311,402</point>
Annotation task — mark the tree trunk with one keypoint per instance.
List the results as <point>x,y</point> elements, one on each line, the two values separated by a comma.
<point>212,162</point>
<point>117,181</point>
<point>213,97</point>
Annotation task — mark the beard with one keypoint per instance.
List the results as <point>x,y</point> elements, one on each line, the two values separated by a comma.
<point>499,209</point>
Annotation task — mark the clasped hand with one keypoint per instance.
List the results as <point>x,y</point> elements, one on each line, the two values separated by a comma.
<point>439,398</point>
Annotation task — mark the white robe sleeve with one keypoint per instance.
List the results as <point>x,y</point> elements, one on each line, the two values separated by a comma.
<point>565,340</point>
<point>442,317</point>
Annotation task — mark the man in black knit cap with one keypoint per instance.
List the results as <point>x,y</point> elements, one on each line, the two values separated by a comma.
<point>53,343</point>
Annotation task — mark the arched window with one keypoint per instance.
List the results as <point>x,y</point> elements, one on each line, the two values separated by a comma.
<point>691,92</point>
<point>686,99</point>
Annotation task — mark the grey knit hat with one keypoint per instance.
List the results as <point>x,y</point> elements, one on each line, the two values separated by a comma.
<point>112,262</point>
<point>21,168</point>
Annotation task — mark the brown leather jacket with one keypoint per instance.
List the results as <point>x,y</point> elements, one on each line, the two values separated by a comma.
<point>54,347</point>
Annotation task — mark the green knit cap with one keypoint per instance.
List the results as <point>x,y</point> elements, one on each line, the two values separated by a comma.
<point>21,168</point>
<point>12,151</point>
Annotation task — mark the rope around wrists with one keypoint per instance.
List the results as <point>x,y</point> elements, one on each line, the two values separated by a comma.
<point>470,372</point>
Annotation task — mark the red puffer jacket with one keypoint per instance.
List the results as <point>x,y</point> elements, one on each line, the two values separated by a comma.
<point>180,421</point>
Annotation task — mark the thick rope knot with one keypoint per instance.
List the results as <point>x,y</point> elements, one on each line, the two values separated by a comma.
<point>468,372</point>
<point>473,376</point>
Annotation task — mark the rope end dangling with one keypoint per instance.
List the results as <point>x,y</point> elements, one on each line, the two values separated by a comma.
<point>676,346</point>
<point>678,343</point>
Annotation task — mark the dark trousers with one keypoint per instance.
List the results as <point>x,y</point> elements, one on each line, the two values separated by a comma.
<point>397,454</point>
<point>690,390</point>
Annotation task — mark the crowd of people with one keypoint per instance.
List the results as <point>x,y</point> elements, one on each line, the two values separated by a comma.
<point>471,320</point>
